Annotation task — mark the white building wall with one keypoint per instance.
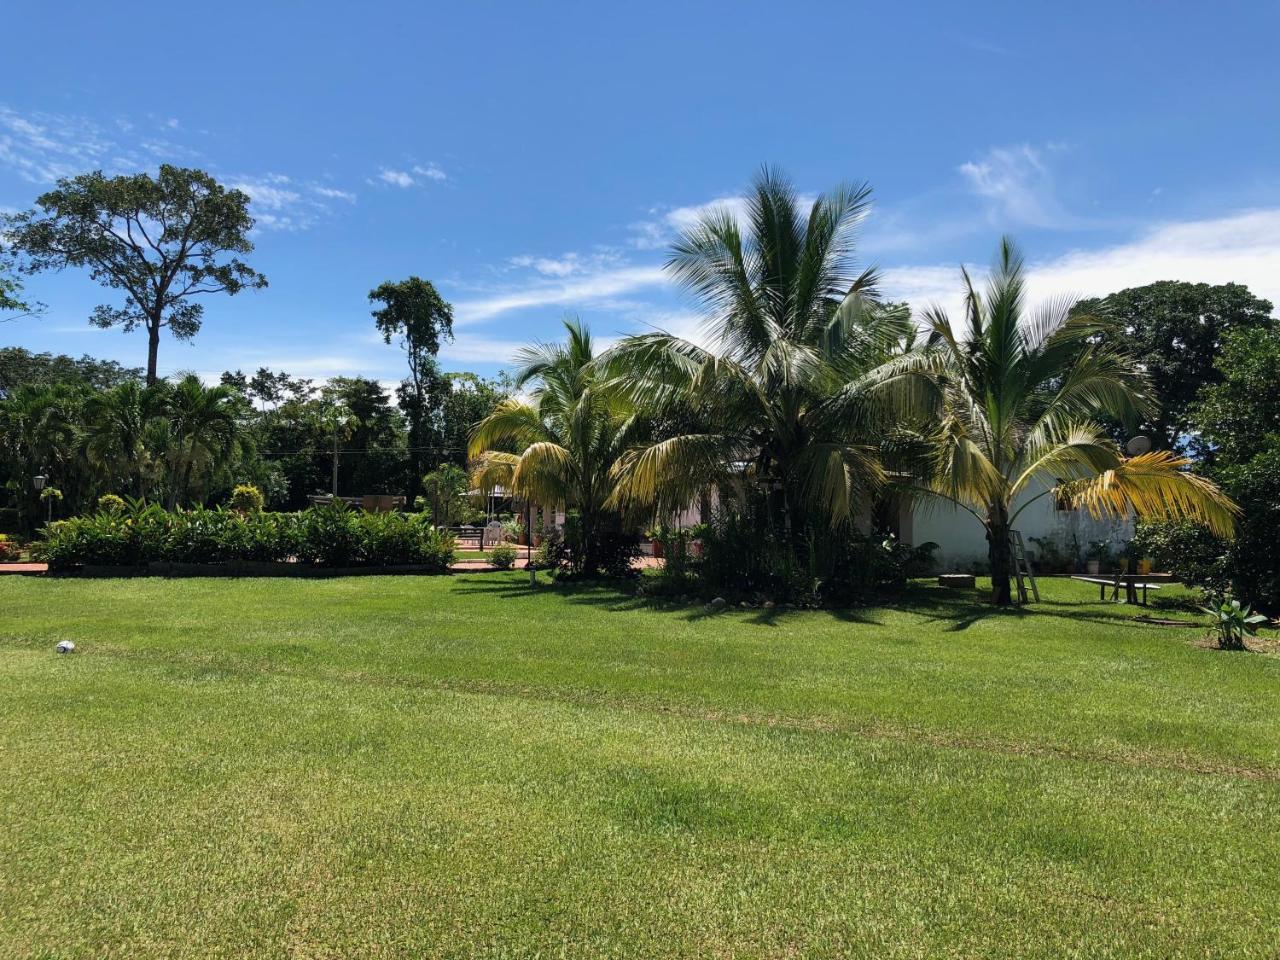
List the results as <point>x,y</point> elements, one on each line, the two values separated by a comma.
<point>962,540</point>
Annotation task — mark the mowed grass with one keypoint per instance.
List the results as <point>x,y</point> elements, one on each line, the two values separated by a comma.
<point>456,767</point>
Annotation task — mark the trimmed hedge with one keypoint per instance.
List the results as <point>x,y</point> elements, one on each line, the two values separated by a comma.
<point>330,536</point>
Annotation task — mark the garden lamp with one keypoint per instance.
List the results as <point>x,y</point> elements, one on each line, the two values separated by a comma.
<point>38,481</point>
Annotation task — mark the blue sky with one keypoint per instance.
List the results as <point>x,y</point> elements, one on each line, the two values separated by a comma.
<point>533,159</point>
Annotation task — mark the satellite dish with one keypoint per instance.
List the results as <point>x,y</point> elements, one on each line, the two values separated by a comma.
<point>1138,446</point>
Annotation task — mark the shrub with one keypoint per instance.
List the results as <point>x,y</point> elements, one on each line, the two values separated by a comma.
<point>246,498</point>
<point>503,556</point>
<point>328,536</point>
<point>111,503</point>
<point>9,552</point>
<point>744,557</point>
<point>1188,550</point>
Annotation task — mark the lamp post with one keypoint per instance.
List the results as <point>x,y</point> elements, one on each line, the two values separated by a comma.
<point>38,482</point>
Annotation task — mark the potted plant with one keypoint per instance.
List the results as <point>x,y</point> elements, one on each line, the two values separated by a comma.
<point>1099,553</point>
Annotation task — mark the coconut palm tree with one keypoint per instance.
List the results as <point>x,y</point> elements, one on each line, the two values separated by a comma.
<point>203,432</point>
<point>561,444</point>
<point>789,320</point>
<point>1006,411</point>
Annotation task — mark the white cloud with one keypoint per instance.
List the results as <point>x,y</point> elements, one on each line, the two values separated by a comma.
<point>431,171</point>
<point>408,178</point>
<point>592,289</point>
<point>44,147</point>
<point>1018,185</point>
<point>567,264</point>
<point>1242,248</point>
<point>657,233</point>
<point>469,348</point>
<point>334,194</point>
<point>397,178</point>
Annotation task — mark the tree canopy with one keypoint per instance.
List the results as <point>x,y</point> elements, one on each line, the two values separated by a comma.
<point>1174,330</point>
<point>162,240</point>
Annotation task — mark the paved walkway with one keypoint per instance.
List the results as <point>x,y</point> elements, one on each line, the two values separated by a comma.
<point>460,566</point>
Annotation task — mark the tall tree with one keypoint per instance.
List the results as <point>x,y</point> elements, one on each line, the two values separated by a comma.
<point>791,322</point>
<point>1007,411</point>
<point>1175,331</point>
<point>163,240</point>
<point>414,312</point>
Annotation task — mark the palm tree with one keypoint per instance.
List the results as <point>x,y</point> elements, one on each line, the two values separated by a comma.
<point>116,425</point>
<point>790,321</point>
<point>203,432</point>
<point>38,434</point>
<point>569,434</point>
<point>1006,413</point>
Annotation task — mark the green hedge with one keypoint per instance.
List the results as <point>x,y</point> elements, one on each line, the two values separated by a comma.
<point>329,536</point>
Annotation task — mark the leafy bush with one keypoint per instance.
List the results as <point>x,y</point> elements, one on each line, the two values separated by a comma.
<point>503,556</point>
<point>744,557</point>
<point>1188,550</point>
<point>246,498</point>
<point>111,503</point>
<point>9,552</point>
<point>1254,556</point>
<point>326,536</point>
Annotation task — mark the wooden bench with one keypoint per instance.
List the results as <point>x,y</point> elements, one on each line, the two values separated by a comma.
<point>1131,586</point>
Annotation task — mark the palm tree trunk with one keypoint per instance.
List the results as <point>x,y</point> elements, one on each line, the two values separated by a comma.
<point>999,554</point>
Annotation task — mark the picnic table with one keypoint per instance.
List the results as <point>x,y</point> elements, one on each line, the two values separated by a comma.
<point>1132,583</point>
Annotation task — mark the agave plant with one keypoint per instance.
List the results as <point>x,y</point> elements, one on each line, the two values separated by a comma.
<point>1006,409</point>
<point>1232,622</point>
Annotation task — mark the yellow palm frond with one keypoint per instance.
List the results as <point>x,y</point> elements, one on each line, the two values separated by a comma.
<point>1156,485</point>
<point>492,469</point>
<point>513,420</point>
<point>544,473</point>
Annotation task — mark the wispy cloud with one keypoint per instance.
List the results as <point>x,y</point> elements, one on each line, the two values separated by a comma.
<point>278,202</point>
<point>1242,248</point>
<point>431,171</point>
<point>397,178</point>
<point>44,147</point>
<point>593,289</point>
<point>414,176</point>
<point>664,224</point>
<point>1019,187</point>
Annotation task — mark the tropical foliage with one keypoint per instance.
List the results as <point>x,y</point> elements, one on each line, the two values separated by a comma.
<point>140,533</point>
<point>762,406</point>
<point>562,445</point>
<point>1006,410</point>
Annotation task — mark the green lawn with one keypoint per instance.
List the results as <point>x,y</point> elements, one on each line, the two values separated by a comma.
<point>418,767</point>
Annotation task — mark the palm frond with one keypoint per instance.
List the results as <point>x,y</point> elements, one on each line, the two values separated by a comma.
<point>1156,484</point>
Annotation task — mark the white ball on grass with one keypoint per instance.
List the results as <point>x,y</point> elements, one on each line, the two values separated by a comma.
<point>66,646</point>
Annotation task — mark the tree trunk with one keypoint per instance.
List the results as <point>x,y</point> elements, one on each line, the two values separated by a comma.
<point>153,352</point>
<point>999,554</point>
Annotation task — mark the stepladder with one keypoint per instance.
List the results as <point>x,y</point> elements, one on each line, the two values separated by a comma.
<point>1022,567</point>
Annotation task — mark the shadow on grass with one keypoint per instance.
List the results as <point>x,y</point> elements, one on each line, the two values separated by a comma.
<point>958,610</point>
